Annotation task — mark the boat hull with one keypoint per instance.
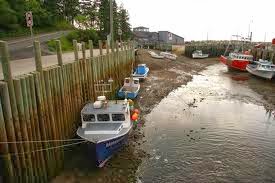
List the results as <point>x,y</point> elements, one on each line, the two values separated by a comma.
<point>234,64</point>
<point>141,76</point>
<point>130,95</point>
<point>103,151</point>
<point>260,73</point>
<point>200,56</point>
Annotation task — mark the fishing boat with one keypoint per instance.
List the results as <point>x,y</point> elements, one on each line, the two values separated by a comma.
<point>105,126</point>
<point>199,54</point>
<point>155,55</point>
<point>237,59</point>
<point>262,68</point>
<point>130,88</point>
<point>141,71</point>
<point>168,55</point>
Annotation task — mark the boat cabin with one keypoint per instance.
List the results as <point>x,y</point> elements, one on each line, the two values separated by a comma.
<point>131,82</point>
<point>141,69</point>
<point>105,117</point>
<point>239,56</point>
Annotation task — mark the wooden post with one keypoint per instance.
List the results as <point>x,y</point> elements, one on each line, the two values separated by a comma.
<point>92,68</point>
<point>51,117</point>
<point>50,160</point>
<point>37,127</point>
<point>75,50</point>
<point>100,47</point>
<point>12,102</point>
<point>83,48</point>
<point>59,52</point>
<point>38,58</point>
<point>107,48</point>
<point>21,96</point>
<point>9,174</point>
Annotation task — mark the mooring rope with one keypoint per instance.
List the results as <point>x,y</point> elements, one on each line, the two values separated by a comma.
<point>40,150</point>
<point>40,141</point>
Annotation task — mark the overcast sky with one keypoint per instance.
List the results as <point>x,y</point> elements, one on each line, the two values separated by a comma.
<point>192,19</point>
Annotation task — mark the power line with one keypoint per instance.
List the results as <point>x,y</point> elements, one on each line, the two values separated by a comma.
<point>40,150</point>
<point>41,141</point>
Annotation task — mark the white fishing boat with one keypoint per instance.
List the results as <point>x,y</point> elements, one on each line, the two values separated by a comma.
<point>155,55</point>
<point>106,126</point>
<point>199,54</point>
<point>262,68</point>
<point>168,55</point>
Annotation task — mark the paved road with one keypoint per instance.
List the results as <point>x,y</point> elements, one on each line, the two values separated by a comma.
<point>23,66</point>
<point>23,48</point>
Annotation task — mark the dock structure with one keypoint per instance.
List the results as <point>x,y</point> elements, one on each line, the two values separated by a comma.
<point>39,111</point>
<point>217,48</point>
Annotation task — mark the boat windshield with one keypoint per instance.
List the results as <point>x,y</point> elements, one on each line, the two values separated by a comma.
<point>118,117</point>
<point>89,118</point>
<point>103,117</point>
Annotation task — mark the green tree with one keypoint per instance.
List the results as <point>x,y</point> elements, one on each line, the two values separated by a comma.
<point>104,18</point>
<point>124,23</point>
<point>8,18</point>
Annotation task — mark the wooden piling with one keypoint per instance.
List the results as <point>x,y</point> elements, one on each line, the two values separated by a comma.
<point>76,58</point>
<point>13,115</point>
<point>100,47</point>
<point>59,52</point>
<point>8,171</point>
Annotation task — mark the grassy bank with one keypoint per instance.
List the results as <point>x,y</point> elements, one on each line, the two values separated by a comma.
<point>79,35</point>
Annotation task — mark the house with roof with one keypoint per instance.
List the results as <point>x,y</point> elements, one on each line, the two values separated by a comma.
<point>144,37</point>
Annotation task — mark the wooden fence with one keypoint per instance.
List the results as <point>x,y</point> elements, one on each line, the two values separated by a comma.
<point>217,49</point>
<point>43,108</point>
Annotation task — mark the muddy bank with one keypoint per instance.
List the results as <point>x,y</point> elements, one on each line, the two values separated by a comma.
<point>164,77</point>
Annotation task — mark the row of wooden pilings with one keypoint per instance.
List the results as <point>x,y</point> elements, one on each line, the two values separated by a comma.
<point>40,111</point>
<point>218,49</point>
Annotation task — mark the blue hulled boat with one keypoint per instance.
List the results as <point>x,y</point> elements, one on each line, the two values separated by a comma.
<point>141,71</point>
<point>106,126</point>
<point>130,88</point>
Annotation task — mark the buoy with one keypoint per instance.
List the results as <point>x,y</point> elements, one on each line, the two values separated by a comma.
<point>136,111</point>
<point>134,116</point>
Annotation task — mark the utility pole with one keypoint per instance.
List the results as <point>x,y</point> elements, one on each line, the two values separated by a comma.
<point>111,24</point>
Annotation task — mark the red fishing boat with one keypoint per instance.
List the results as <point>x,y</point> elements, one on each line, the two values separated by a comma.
<point>236,59</point>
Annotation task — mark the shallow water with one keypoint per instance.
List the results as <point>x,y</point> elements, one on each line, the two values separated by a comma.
<point>214,129</point>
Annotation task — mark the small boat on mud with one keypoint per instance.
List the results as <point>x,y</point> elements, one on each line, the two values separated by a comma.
<point>237,61</point>
<point>106,126</point>
<point>262,68</point>
<point>130,88</point>
<point>155,55</point>
<point>168,55</point>
<point>141,72</point>
<point>198,54</point>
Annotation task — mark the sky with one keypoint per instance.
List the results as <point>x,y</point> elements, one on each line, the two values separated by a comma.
<point>195,19</point>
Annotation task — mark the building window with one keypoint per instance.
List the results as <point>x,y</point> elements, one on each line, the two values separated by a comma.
<point>118,117</point>
<point>103,117</point>
<point>89,117</point>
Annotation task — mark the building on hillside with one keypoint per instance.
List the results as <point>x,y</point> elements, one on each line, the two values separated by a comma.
<point>170,38</point>
<point>146,38</point>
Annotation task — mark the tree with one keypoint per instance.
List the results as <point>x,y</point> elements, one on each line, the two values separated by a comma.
<point>124,23</point>
<point>104,18</point>
<point>8,19</point>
